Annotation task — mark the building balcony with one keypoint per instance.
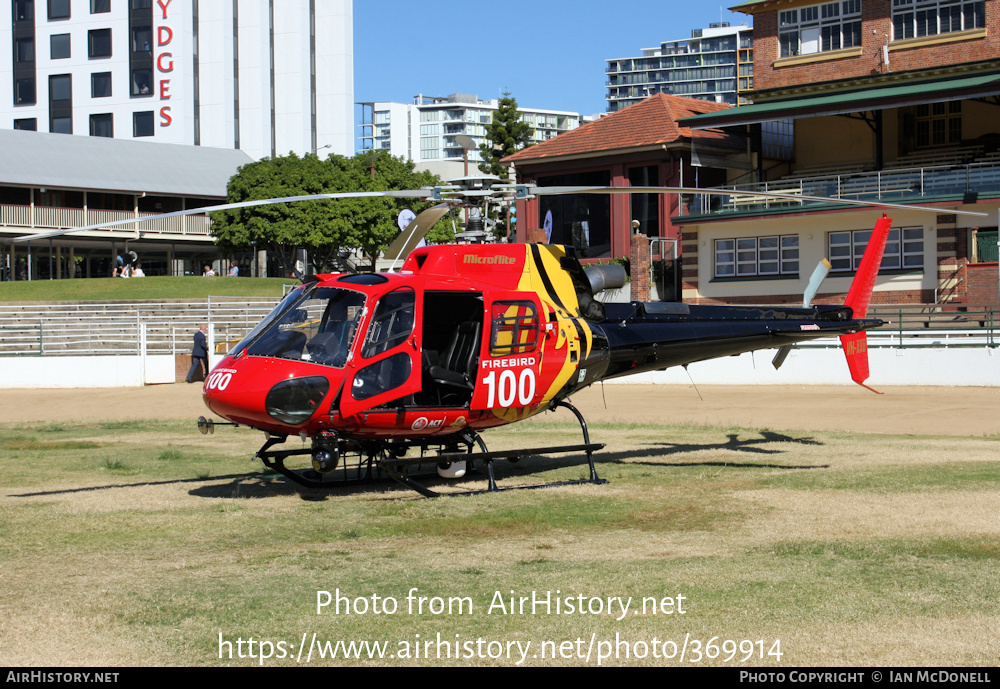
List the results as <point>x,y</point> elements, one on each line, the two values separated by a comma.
<point>30,219</point>
<point>901,185</point>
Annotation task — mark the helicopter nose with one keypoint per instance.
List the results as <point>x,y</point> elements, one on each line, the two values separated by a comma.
<point>271,394</point>
<point>294,400</point>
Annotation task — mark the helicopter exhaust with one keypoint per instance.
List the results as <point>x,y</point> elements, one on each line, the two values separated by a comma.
<point>603,277</point>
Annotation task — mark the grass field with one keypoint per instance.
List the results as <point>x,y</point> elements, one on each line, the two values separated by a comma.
<point>150,289</point>
<point>144,543</point>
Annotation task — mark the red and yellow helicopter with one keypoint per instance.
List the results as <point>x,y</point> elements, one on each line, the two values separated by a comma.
<point>383,372</point>
<point>401,369</point>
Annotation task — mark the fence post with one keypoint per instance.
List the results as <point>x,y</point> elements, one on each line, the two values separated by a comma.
<point>142,353</point>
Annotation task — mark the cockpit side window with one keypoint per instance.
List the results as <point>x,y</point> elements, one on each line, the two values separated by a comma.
<point>391,324</point>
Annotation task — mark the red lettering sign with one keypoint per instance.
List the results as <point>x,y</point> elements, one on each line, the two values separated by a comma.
<point>169,67</point>
<point>164,62</point>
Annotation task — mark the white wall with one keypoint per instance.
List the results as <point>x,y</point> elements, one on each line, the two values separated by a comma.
<point>974,367</point>
<point>86,371</point>
<point>970,367</point>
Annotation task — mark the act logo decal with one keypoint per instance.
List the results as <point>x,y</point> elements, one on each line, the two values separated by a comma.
<point>423,422</point>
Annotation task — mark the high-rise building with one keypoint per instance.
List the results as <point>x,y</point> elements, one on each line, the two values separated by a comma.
<point>425,130</point>
<point>714,64</point>
<point>256,75</point>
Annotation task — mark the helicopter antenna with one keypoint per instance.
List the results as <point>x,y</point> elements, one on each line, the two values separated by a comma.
<point>693,383</point>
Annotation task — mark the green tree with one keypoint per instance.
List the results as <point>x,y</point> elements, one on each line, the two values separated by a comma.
<point>323,227</point>
<point>506,134</point>
<point>375,221</point>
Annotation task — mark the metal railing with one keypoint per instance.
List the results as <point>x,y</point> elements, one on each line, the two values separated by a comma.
<point>903,185</point>
<point>48,218</point>
<point>928,327</point>
<point>114,328</point>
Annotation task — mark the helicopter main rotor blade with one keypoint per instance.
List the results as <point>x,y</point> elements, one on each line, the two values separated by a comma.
<point>395,193</point>
<point>418,228</point>
<point>555,191</point>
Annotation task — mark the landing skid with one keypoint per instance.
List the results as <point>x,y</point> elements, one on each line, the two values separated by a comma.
<point>368,461</point>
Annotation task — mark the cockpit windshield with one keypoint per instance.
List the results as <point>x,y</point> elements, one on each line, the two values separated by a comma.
<point>319,326</point>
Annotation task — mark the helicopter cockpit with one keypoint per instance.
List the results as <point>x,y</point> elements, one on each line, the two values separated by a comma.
<point>317,326</point>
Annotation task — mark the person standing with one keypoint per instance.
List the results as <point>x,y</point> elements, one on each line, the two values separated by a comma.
<point>199,354</point>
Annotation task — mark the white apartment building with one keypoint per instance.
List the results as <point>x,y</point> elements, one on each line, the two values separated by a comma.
<point>715,64</point>
<point>262,76</point>
<point>425,130</point>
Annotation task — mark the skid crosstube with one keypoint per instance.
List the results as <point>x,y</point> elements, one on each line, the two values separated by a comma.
<point>377,457</point>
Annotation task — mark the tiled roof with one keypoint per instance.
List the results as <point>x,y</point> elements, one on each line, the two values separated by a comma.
<point>650,122</point>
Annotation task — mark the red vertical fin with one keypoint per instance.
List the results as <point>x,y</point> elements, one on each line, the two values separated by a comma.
<point>859,296</point>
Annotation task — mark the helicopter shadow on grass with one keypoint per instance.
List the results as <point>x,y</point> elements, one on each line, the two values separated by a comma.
<point>653,451</point>
<point>525,467</point>
<point>237,478</point>
<point>256,485</point>
<point>752,446</point>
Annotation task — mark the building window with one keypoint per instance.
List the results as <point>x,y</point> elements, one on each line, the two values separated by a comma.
<point>917,18</point>
<point>58,9</point>
<point>820,28</point>
<point>60,89</point>
<point>102,125</point>
<point>757,256</point>
<point>939,124</point>
<point>903,250</point>
<point>142,123</point>
<point>100,84</point>
<point>778,139</point>
<point>142,39</point>
<point>29,124</point>
<point>141,82</point>
<point>100,42</point>
<point>61,104</point>
<point>24,91</point>
<point>24,49</point>
<point>100,6</point>
<point>59,46</point>
<point>24,10</point>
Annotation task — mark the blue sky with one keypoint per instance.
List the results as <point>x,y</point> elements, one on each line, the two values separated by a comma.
<point>547,53</point>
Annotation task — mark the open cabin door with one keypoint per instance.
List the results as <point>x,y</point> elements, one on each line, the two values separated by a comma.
<point>385,364</point>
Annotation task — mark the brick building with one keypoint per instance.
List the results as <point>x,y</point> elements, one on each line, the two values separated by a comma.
<point>641,145</point>
<point>884,100</point>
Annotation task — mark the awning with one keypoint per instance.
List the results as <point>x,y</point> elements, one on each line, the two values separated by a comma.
<point>879,98</point>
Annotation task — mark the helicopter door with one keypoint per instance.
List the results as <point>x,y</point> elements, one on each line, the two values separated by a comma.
<point>508,371</point>
<point>386,364</point>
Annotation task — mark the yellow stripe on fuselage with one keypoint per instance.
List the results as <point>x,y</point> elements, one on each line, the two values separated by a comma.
<point>574,333</point>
